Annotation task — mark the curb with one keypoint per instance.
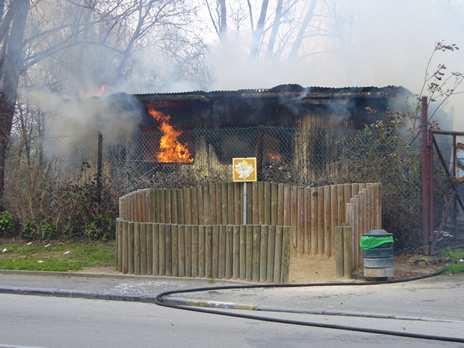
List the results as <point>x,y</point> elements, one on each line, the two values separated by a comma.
<point>177,301</point>
<point>118,276</point>
<point>77,294</point>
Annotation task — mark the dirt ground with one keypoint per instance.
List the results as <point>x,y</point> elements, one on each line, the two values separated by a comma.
<point>319,269</point>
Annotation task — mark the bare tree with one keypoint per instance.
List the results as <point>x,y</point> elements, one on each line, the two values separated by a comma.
<point>278,29</point>
<point>50,41</point>
<point>12,28</point>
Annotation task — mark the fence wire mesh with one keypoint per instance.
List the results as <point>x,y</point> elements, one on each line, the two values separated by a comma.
<point>448,194</point>
<point>303,157</point>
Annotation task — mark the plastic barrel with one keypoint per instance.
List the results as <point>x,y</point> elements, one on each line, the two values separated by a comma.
<point>378,261</point>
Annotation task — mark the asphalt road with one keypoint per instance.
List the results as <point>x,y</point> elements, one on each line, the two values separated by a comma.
<point>431,307</point>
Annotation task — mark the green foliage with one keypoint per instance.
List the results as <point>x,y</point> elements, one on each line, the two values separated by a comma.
<point>457,257</point>
<point>386,152</point>
<point>57,257</point>
<point>30,230</point>
<point>75,210</point>
<point>6,224</point>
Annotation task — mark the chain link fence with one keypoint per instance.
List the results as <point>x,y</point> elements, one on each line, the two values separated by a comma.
<point>302,157</point>
<point>448,194</point>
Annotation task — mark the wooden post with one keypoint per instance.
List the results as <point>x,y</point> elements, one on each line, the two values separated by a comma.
<point>180,207</point>
<point>131,257</point>
<point>263,254</point>
<point>270,253</point>
<point>137,248</point>
<point>168,209</point>
<point>339,267</point>
<point>153,206</point>
<point>286,243</point>
<point>169,250</point>
<point>314,220</point>
<point>208,251</point>
<point>347,252</point>
<point>143,248</point>
<point>287,206</point>
<point>188,250</point>
<point>256,199</point>
<point>327,222</point>
<point>195,250</point>
<point>355,227</point>
<point>355,189</point>
<point>320,220</point>
<point>280,205</point>
<point>256,249</point>
<point>301,212</point>
<point>215,252</point>
<point>118,239</point>
<point>156,251</point>
<point>249,252</point>
<point>267,203</point>
<point>274,203</point>
<point>243,252</point>
<point>224,204</point>
<point>218,204</point>
<point>236,253</point>
<point>341,204</point>
<point>201,205</point>
<point>194,197</point>
<point>250,199</point>
<point>334,214</point>
<point>125,247</point>
<point>149,232</point>
<point>229,251</point>
<point>162,206</point>
<point>378,206</point>
<point>307,221</point>
<point>162,249</point>
<point>347,192</point>
<point>212,204</point>
<point>201,251</point>
<point>261,203</point>
<point>181,248</point>
<point>222,253</point>
<point>230,203</point>
<point>187,206</point>
<point>157,207</point>
<point>207,209</point>
<point>278,254</point>
<point>294,216</point>
<point>238,201</point>
<point>174,251</point>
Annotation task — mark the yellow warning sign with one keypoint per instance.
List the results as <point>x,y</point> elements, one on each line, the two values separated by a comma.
<point>244,169</point>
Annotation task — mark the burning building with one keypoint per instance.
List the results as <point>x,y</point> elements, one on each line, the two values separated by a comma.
<point>208,129</point>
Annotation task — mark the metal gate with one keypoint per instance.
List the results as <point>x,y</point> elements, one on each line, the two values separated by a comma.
<point>443,189</point>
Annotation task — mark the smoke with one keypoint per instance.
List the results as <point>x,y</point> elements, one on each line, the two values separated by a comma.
<point>348,44</point>
<point>372,43</point>
<point>90,115</point>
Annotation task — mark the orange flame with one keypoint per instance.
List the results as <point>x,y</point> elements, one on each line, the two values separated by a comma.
<point>274,157</point>
<point>170,149</point>
<point>96,92</point>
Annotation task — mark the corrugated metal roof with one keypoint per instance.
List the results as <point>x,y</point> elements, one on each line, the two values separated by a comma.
<point>291,91</point>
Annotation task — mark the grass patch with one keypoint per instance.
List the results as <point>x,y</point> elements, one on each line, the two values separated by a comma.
<point>454,255</point>
<point>57,256</point>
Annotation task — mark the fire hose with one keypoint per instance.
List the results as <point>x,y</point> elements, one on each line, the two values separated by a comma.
<point>160,300</point>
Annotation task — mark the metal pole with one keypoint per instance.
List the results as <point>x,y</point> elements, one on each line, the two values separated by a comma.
<point>244,203</point>
<point>425,180</point>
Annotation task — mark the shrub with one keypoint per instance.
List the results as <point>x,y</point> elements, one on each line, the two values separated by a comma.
<point>6,224</point>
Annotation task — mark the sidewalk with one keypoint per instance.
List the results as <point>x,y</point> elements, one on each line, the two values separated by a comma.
<point>436,297</point>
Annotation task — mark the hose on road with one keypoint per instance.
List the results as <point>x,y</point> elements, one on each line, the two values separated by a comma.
<point>159,300</point>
